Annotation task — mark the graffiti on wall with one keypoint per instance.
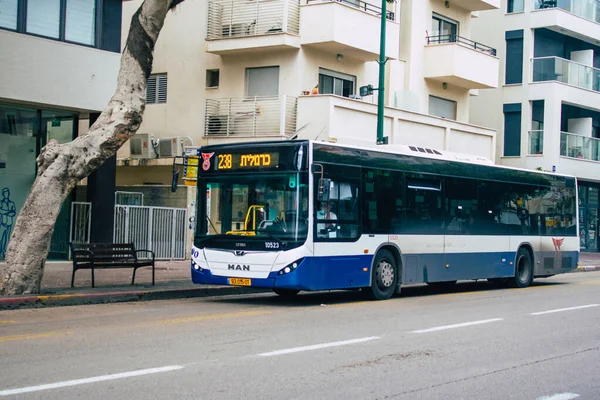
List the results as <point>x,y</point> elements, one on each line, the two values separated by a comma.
<point>8,211</point>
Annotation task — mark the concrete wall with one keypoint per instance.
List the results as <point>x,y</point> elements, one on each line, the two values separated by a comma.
<point>55,73</point>
<point>353,120</point>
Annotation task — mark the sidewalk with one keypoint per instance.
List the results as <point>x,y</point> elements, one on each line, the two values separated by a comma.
<point>173,281</point>
<point>589,262</point>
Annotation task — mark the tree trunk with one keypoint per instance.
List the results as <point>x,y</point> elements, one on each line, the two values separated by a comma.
<point>62,166</point>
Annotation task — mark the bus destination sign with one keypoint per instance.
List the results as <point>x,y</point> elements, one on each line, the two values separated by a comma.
<point>236,162</point>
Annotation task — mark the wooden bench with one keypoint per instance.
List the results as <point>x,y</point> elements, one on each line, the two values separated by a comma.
<point>108,255</point>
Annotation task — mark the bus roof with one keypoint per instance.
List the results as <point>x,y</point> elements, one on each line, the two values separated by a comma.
<point>401,149</point>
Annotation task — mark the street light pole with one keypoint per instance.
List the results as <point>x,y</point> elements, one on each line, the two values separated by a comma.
<point>382,61</point>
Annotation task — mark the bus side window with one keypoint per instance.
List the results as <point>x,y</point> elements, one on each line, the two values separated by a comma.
<point>338,218</point>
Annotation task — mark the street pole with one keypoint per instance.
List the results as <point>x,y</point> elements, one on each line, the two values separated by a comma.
<point>382,61</point>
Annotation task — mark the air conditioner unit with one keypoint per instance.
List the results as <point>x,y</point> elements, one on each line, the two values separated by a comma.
<point>216,125</point>
<point>140,146</point>
<point>170,147</point>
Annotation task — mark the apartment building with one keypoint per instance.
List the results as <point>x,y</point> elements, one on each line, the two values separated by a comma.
<point>239,70</point>
<point>547,111</point>
<point>58,69</point>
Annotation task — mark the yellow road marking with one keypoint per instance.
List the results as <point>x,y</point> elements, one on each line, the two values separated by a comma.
<point>33,336</point>
<point>597,282</point>
<point>58,296</point>
<point>6,322</point>
<point>212,317</point>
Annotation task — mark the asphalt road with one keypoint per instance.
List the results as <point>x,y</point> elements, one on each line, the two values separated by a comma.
<point>475,342</point>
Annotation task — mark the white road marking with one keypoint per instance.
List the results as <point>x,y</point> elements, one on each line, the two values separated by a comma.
<point>102,378</point>
<point>441,328</point>
<point>318,346</point>
<point>565,309</point>
<point>559,396</point>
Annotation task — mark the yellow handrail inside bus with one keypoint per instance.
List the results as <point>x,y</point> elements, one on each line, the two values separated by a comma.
<point>251,213</point>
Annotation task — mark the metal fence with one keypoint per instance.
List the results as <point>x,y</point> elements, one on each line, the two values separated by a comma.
<point>461,41</point>
<point>238,18</point>
<point>129,198</point>
<point>81,223</point>
<point>251,116</point>
<point>160,229</point>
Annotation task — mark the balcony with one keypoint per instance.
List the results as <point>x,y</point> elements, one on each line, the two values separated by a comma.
<point>536,142</point>
<point>251,117</point>
<point>348,27</point>
<point>579,147</point>
<point>238,26</point>
<point>477,5</point>
<point>577,18</point>
<point>548,69</point>
<point>461,62</point>
<point>336,118</point>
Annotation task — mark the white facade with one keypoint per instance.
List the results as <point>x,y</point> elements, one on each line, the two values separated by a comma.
<point>301,44</point>
<point>572,86</point>
<point>60,75</point>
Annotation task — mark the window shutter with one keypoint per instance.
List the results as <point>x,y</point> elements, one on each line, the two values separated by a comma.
<point>162,88</point>
<point>151,90</point>
<point>81,21</point>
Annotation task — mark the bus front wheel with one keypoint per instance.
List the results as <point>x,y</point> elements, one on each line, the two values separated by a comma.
<point>286,293</point>
<point>384,276</point>
<point>523,269</point>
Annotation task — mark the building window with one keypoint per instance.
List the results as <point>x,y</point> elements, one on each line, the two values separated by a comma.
<point>331,82</point>
<point>81,21</point>
<point>156,89</point>
<point>212,78</point>
<point>66,20</point>
<point>8,14</point>
<point>442,107</point>
<point>515,6</point>
<point>444,29</point>
<point>43,18</point>
<point>512,130</point>
<point>262,81</point>
<point>514,57</point>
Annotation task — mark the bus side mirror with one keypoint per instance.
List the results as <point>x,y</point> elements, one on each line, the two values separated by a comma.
<point>324,186</point>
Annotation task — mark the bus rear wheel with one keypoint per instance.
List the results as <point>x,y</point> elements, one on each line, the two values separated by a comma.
<point>523,269</point>
<point>384,276</point>
<point>286,293</point>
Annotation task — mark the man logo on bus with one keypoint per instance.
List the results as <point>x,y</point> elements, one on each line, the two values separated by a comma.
<point>206,157</point>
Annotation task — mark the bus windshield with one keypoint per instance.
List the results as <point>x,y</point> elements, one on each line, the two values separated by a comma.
<point>272,207</point>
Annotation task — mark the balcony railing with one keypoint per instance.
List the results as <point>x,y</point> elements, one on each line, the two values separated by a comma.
<point>588,9</point>
<point>257,116</point>
<point>536,142</point>
<point>461,41</point>
<point>239,18</point>
<point>361,5</point>
<point>566,71</point>
<point>578,146</point>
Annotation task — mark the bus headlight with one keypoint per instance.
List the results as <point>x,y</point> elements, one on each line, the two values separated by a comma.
<point>196,266</point>
<point>290,268</point>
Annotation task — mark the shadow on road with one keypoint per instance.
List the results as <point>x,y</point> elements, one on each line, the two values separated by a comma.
<point>334,297</point>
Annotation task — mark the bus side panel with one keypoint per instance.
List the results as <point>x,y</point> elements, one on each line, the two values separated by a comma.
<point>476,257</point>
<point>556,255</point>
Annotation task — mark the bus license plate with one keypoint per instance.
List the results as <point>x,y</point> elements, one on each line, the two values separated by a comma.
<point>240,281</point>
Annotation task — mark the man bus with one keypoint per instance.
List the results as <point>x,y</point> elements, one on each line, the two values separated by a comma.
<point>403,215</point>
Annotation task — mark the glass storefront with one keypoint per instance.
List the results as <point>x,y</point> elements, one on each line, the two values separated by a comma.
<point>23,131</point>
<point>589,202</point>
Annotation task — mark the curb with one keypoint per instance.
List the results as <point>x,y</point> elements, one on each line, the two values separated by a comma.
<point>587,268</point>
<point>58,300</point>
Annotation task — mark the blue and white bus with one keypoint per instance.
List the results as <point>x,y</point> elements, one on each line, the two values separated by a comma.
<point>307,215</point>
